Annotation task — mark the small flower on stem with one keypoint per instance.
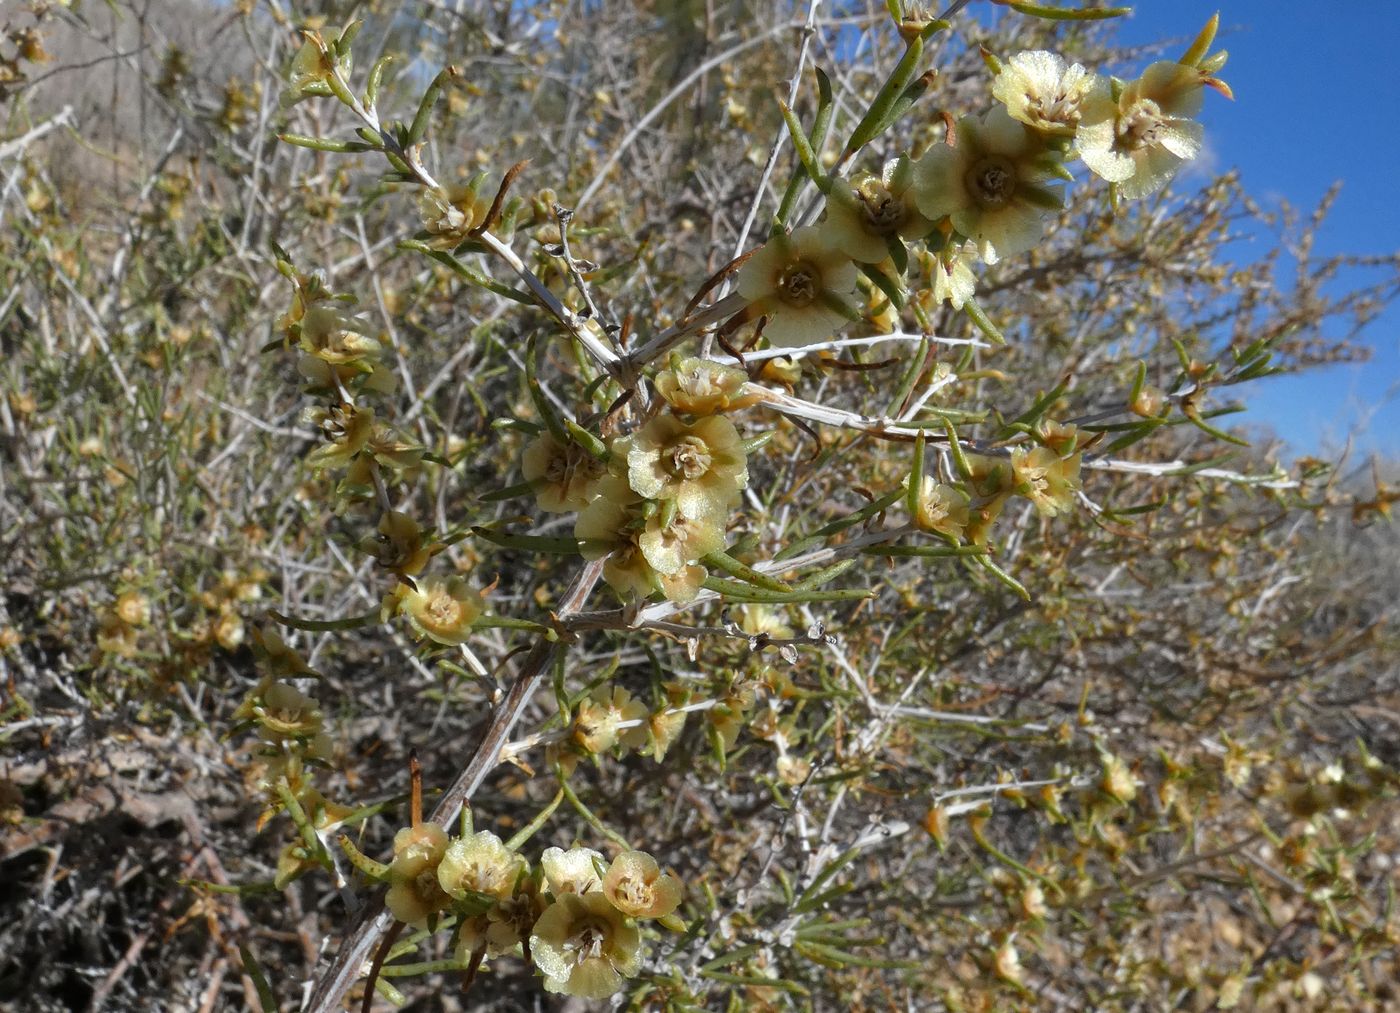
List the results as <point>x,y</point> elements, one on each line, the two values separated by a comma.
<point>439,608</point>
<point>864,213</point>
<point>992,186</point>
<point>1042,92</point>
<point>415,894</point>
<point>1142,138</point>
<point>637,887</point>
<point>584,946</point>
<point>699,465</point>
<point>702,387</point>
<point>564,477</point>
<point>803,283</point>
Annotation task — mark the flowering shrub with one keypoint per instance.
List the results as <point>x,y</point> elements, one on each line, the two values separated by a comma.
<point>851,612</point>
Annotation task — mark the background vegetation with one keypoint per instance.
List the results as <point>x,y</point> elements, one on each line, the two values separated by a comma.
<point>1164,781</point>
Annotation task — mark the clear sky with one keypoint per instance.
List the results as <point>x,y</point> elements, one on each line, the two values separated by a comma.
<point>1317,89</point>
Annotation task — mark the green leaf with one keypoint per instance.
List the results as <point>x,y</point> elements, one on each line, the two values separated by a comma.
<point>983,322</point>
<point>721,560</point>
<point>323,143</point>
<point>879,115</point>
<point>419,126</point>
<point>376,76</point>
<point>1065,14</point>
<point>801,144</point>
<point>325,625</point>
<point>530,543</point>
<point>266,998</point>
<point>735,591</point>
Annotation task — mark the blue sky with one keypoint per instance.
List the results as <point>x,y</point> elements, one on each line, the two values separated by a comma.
<point>1317,100</point>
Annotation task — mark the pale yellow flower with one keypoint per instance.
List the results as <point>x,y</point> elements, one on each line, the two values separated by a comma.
<point>335,337</point>
<point>133,608</point>
<point>598,717</point>
<point>638,888</point>
<point>803,284</point>
<point>572,871</point>
<point>1141,140</point>
<point>1046,479</point>
<point>563,476</point>
<point>941,508</point>
<point>672,544</point>
<point>584,946</point>
<point>702,387</point>
<point>662,729</point>
<point>608,527</point>
<point>400,546</point>
<point>645,554</point>
<point>479,863</point>
<point>1042,92</point>
<point>700,465</point>
<point>439,608</point>
<point>866,211</point>
<point>283,712</point>
<point>950,278</point>
<point>346,428</point>
<point>365,374</point>
<point>450,213</point>
<point>504,925</point>
<point>760,619</point>
<point>414,891</point>
<point>992,186</point>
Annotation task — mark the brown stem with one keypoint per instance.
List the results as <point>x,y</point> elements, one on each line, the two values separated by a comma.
<point>378,964</point>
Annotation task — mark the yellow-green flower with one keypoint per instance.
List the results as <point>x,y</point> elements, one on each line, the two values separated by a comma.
<point>646,554</point>
<point>1140,140</point>
<point>133,608</point>
<point>950,279</point>
<point>941,508</point>
<point>572,871</point>
<point>276,655</point>
<point>728,716</point>
<point>505,925</point>
<point>761,619</point>
<point>1042,92</point>
<point>864,213</point>
<point>347,430</point>
<point>563,476</point>
<point>364,374</point>
<point>282,712</point>
<point>415,894</point>
<point>312,66</point>
<point>1046,479</point>
<point>662,729</point>
<point>671,544</point>
<point>702,387</point>
<point>400,545</point>
<point>637,887</point>
<point>450,213</point>
<point>598,717</point>
<point>335,337</point>
<point>608,527</point>
<point>584,946</point>
<point>701,465</point>
<point>803,283</point>
<point>439,608</point>
<point>992,186</point>
<point>479,863</point>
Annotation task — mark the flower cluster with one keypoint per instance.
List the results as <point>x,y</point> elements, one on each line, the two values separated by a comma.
<point>574,916</point>
<point>340,359</point>
<point>987,192</point>
<point>656,501</point>
<point>586,941</point>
